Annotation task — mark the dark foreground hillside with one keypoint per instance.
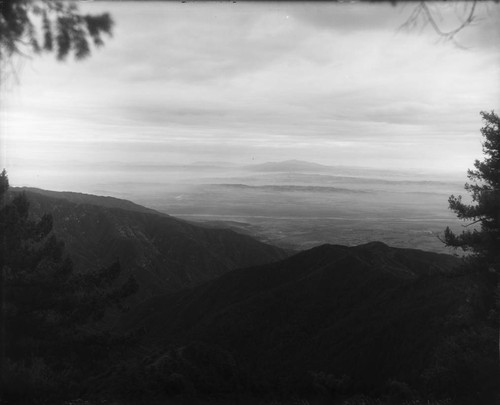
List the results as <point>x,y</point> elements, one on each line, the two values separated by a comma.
<point>162,252</point>
<point>326,323</point>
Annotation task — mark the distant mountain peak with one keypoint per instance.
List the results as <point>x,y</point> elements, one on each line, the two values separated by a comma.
<point>289,165</point>
<point>374,245</point>
<point>213,163</point>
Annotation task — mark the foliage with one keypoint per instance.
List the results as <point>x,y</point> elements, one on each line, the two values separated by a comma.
<point>31,27</point>
<point>49,312</point>
<point>456,360</point>
<point>188,371</point>
<point>485,191</point>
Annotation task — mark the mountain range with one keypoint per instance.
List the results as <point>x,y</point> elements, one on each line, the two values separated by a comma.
<point>220,313</point>
<point>329,320</point>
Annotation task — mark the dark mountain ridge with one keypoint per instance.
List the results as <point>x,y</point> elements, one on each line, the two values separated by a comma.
<point>82,198</point>
<point>163,253</point>
<point>369,314</point>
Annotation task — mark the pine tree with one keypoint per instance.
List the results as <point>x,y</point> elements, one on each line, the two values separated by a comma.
<point>484,243</point>
<point>51,26</point>
<point>49,312</point>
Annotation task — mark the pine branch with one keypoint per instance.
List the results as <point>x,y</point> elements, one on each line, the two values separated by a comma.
<point>472,223</point>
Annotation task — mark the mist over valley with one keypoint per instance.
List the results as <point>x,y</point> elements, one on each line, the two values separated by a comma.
<point>297,204</point>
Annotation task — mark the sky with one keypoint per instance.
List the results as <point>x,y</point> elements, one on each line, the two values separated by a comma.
<point>336,84</point>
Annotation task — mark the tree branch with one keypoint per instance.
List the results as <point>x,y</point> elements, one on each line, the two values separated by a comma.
<point>450,34</point>
<point>423,12</point>
<point>472,223</point>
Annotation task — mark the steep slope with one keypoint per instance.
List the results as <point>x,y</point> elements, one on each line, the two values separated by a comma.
<point>163,253</point>
<point>81,198</point>
<point>373,313</point>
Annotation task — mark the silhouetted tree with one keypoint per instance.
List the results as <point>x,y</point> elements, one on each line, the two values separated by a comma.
<point>49,312</point>
<point>485,191</point>
<point>483,242</point>
<point>30,27</point>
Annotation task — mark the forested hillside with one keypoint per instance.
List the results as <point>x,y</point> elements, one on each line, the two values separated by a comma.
<point>162,252</point>
<point>329,322</point>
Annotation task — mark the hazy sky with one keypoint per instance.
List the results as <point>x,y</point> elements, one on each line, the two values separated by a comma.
<point>336,84</point>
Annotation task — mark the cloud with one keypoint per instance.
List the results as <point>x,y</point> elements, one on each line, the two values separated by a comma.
<point>222,81</point>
